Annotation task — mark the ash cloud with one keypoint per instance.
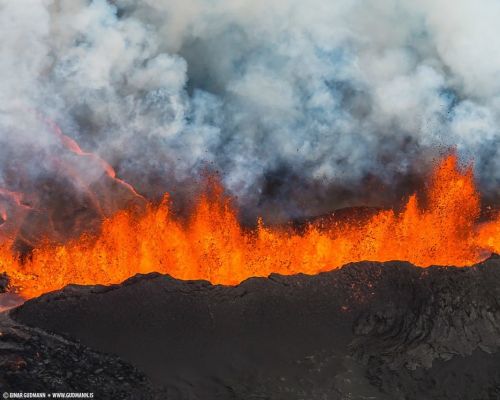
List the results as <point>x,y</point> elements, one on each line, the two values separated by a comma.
<point>301,107</point>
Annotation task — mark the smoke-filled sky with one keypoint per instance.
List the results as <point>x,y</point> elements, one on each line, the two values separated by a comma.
<point>301,106</point>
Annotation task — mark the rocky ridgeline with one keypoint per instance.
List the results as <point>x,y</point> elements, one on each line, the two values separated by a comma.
<point>366,331</point>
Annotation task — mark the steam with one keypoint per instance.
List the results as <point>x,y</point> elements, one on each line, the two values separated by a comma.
<point>301,106</point>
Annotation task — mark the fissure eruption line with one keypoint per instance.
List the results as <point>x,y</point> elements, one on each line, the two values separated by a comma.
<point>439,226</point>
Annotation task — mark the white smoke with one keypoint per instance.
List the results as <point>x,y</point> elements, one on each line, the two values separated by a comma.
<point>286,99</point>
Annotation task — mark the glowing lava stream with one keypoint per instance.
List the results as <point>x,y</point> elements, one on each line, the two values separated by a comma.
<point>441,228</point>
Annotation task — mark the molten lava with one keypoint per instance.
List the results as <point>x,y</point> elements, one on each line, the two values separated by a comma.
<point>441,226</point>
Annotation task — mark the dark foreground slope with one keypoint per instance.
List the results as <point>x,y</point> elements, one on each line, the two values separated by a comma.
<point>366,331</point>
<point>32,360</point>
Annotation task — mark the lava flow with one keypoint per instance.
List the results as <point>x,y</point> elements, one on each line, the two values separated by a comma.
<point>440,226</point>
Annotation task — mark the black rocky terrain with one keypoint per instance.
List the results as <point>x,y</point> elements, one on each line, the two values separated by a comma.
<point>32,360</point>
<point>366,331</point>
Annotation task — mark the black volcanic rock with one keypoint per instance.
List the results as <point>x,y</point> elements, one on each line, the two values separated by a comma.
<point>32,360</point>
<point>366,331</point>
<point>4,282</point>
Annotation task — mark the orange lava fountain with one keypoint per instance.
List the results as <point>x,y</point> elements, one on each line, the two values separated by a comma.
<point>439,227</point>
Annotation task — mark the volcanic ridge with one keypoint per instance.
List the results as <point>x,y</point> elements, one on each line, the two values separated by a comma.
<point>369,330</point>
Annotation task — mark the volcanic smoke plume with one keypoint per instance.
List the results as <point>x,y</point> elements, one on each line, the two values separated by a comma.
<point>301,107</point>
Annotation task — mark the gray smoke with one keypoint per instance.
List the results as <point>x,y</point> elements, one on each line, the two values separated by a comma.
<point>300,106</point>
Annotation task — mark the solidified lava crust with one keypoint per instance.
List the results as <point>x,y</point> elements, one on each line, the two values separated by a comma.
<point>366,331</point>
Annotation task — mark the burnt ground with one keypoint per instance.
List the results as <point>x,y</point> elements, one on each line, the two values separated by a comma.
<point>366,331</point>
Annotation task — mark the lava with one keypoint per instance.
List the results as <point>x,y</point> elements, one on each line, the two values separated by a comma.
<point>56,190</point>
<point>439,226</point>
<point>71,145</point>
